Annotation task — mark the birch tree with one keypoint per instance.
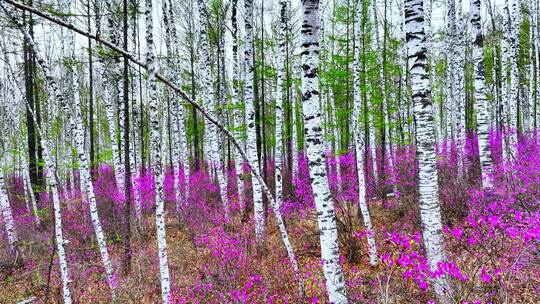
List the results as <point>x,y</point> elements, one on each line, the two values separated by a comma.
<point>283,14</point>
<point>57,96</point>
<point>359,144</point>
<point>430,213</point>
<point>155,143</point>
<point>315,146</point>
<point>111,94</point>
<point>238,165</point>
<point>251,144</point>
<point>180,158</point>
<point>207,95</point>
<point>481,102</point>
<point>7,217</point>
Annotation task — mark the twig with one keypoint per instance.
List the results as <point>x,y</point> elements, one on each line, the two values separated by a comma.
<point>49,274</point>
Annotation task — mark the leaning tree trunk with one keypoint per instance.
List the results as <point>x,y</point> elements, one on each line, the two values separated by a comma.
<point>481,102</point>
<point>359,145</point>
<point>430,212</point>
<point>156,155</point>
<point>55,92</point>
<point>87,182</point>
<point>314,139</point>
<point>250,120</point>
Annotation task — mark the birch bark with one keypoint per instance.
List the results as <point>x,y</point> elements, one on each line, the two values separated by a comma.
<point>359,145</point>
<point>283,4</point>
<point>481,102</point>
<point>238,164</point>
<point>155,143</point>
<point>251,144</point>
<point>314,139</point>
<point>214,146</point>
<point>7,216</point>
<point>430,212</point>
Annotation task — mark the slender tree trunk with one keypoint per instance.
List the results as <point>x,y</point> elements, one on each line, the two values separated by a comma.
<point>481,102</point>
<point>156,155</point>
<point>514,79</point>
<point>214,143</point>
<point>111,88</point>
<point>7,217</point>
<point>430,212</point>
<point>126,146</point>
<point>57,94</point>
<point>31,105</point>
<point>283,4</point>
<point>91,94</point>
<point>87,182</point>
<point>314,139</point>
<point>250,120</point>
<point>459,88</point>
<point>359,145</point>
<point>28,186</point>
<point>505,50</point>
<point>237,111</point>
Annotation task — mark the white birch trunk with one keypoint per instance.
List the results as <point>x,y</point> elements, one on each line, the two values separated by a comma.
<point>178,131</point>
<point>111,94</point>
<point>238,163</point>
<point>89,187</point>
<point>282,52</point>
<point>430,212</point>
<point>452,85</point>
<point>214,145</point>
<point>514,77</point>
<point>314,139</point>
<point>54,92</point>
<point>536,105</point>
<point>459,56</point>
<point>7,216</point>
<point>481,102</point>
<point>156,155</point>
<point>28,187</point>
<point>250,120</point>
<point>359,145</point>
<point>505,53</point>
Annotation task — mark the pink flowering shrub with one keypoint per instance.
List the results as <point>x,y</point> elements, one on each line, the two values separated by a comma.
<point>492,238</point>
